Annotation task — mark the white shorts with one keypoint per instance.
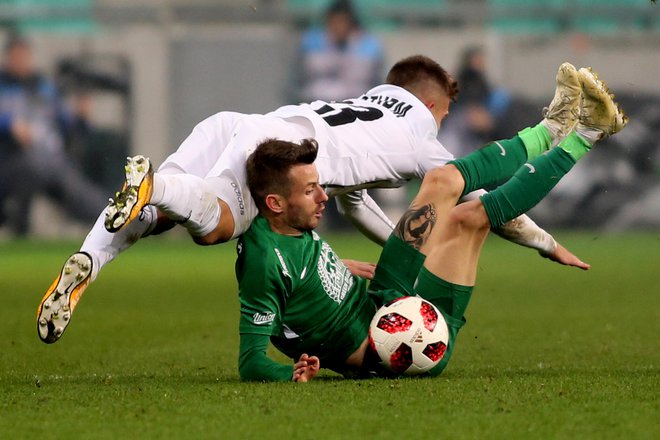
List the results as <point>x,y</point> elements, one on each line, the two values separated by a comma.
<point>217,150</point>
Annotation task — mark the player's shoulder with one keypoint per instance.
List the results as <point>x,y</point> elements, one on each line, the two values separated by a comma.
<point>261,254</point>
<point>257,238</point>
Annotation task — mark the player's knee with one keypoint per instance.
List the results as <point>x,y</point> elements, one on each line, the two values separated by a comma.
<point>163,223</point>
<point>446,180</point>
<point>215,237</point>
<point>470,216</point>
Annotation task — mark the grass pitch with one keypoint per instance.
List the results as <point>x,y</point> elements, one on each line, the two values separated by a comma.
<point>548,352</point>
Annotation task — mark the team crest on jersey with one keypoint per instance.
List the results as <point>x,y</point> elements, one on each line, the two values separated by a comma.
<point>334,275</point>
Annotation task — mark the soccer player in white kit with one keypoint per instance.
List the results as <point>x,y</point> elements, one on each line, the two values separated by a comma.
<point>383,139</point>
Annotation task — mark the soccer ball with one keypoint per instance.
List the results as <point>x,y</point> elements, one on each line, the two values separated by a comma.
<point>409,335</point>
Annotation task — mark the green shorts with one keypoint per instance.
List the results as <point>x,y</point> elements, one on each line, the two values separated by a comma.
<point>400,272</point>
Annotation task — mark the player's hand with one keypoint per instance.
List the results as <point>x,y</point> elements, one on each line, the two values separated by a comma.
<point>563,256</point>
<point>306,368</point>
<point>361,269</point>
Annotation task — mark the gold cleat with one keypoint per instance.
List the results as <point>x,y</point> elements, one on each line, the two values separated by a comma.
<point>562,113</point>
<point>61,298</point>
<point>135,193</point>
<point>598,110</point>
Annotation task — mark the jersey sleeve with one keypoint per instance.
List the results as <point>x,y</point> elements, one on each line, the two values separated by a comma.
<point>254,363</point>
<point>432,154</point>
<point>263,288</point>
<point>365,214</point>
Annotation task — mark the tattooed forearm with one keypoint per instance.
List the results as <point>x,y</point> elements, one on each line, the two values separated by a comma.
<point>416,225</point>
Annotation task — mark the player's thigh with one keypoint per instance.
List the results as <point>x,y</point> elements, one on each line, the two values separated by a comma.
<point>451,299</point>
<point>232,189</point>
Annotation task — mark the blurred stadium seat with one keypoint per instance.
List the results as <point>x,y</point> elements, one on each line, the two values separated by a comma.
<point>71,16</point>
<point>609,16</point>
<point>588,16</point>
<point>526,16</point>
<point>374,13</point>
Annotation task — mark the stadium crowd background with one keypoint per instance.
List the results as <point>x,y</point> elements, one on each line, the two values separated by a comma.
<point>154,68</point>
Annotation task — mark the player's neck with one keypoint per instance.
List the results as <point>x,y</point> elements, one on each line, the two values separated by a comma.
<point>279,226</point>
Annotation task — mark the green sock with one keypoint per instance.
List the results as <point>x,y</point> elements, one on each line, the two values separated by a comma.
<point>527,187</point>
<point>575,145</point>
<point>537,140</point>
<point>498,161</point>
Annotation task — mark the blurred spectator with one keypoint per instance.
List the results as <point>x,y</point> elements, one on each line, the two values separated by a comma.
<point>34,127</point>
<point>336,62</point>
<point>473,121</point>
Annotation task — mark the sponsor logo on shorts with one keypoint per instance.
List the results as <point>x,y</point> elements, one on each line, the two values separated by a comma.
<point>239,198</point>
<point>263,318</point>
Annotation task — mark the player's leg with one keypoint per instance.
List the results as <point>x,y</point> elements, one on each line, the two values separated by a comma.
<point>81,268</point>
<point>491,164</point>
<point>101,247</point>
<point>178,187</point>
<point>450,268</point>
<point>442,187</point>
<point>466,226</point>
<point>203,205</point>
<point>453,246</point>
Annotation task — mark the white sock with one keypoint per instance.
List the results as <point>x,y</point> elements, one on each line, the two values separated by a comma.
<point>591,135</point>
<point>554,128</point>
<point>189,200</point>
<point>104,246</point>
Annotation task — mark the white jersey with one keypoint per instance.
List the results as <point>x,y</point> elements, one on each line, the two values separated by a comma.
<point>382,139</point>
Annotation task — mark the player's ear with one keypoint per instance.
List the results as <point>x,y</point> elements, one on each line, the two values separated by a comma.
<point>275,203</point>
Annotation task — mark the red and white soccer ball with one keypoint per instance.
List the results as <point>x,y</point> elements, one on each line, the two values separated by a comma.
<point>410,335</point>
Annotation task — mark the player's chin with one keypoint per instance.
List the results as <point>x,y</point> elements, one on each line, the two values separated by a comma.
<point>314,221</point>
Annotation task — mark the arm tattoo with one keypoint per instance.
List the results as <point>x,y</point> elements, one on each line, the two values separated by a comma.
<point>415,225</point>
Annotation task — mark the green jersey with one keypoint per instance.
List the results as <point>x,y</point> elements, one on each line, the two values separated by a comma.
<point>296,291</point>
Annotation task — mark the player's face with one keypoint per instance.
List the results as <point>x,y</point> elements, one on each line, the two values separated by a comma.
<point>305,204</point>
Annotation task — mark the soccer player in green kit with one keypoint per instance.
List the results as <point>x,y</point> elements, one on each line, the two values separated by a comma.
<point>295,291</point>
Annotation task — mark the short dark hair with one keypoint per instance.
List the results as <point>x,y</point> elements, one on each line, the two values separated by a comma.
<point>269,164</point>
<point>412,72</point>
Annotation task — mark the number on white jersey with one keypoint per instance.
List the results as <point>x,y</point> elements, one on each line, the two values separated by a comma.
<point>342,113</point>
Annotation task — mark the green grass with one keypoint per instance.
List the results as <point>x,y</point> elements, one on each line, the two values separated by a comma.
<point>548,352</point>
